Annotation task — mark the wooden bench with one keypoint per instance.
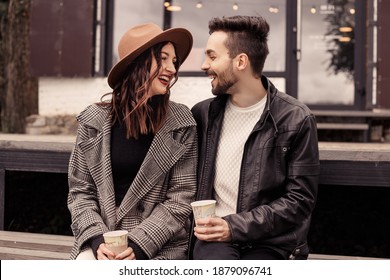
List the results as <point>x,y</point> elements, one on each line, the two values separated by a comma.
<point>344,126</point>
<point>38,246</point>
<point>342,164</point>
<point>338,257</point>
<point>361,120</point>
<point>34,246</point>
<point>361,127</point>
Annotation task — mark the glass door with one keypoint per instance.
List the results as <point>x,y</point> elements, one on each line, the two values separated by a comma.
<point>327,54</point>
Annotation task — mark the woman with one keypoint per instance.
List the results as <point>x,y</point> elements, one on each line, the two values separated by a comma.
<point>133,166</point>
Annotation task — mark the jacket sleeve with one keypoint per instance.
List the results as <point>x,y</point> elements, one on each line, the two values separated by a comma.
<point>82,197</point>
<point>288,213</point>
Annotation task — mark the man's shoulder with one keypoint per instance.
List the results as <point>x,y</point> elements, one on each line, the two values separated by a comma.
<point>203,104</point>
<point>282,102</point>
<point>287,102</point>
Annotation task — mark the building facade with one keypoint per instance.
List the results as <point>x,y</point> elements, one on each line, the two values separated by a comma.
<point>330,54</point>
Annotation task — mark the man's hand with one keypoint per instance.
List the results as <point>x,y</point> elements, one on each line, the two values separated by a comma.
<point>103,253</point>
<point>212,229</point>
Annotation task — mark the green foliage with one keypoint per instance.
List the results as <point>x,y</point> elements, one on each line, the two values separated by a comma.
<point>342,53</point>
<point>3,7</point>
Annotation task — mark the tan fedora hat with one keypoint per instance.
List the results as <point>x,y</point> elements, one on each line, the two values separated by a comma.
<point>141,37</point>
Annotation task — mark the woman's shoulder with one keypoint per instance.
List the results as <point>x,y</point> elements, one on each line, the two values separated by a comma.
<point>94,114</point>
<point>178,106</point>
<point>181,114</point>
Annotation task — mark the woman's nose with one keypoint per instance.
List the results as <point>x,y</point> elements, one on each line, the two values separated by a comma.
<point>171,67</point>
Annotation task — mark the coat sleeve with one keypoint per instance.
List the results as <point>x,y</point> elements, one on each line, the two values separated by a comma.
<point>83,201</point>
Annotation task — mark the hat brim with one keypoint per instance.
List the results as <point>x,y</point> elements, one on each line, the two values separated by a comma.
<point>179,37</point>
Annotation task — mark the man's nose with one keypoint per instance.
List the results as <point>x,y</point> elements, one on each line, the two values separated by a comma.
<point>205,66</point>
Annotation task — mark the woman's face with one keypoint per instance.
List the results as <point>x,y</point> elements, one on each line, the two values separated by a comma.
<point>166,73</point>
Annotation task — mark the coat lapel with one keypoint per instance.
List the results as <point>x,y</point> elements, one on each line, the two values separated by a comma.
<point>163,153</point>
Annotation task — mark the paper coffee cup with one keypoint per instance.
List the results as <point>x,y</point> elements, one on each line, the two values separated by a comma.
<point>116,240</point>
<point>203,208</point>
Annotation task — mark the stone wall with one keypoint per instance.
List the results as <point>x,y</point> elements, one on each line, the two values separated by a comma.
<point>58,124</point>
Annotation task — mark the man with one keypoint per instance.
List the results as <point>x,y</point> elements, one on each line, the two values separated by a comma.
<point>258,152</point>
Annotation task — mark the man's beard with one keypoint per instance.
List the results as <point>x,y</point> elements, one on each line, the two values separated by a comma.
<point>226,80</point>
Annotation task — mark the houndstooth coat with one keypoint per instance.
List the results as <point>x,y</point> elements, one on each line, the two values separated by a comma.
<point>156,208</point>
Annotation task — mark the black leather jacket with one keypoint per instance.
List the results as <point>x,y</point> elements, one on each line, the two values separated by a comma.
<point>279,172</point>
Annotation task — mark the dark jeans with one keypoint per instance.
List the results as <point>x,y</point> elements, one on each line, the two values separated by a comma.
<point>227,251</point>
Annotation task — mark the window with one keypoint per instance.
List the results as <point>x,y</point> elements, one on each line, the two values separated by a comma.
<point>326,65</point>
<point>195,18</point>
<point>317,49</point>
<point>129,13</point>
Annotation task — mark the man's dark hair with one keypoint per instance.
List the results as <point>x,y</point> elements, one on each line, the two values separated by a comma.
<point>246,34</point>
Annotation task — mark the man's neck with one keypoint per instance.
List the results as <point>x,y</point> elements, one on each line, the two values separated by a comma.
<point>248,93</point>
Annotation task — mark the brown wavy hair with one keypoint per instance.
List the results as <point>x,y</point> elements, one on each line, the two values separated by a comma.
<point>131,104</point>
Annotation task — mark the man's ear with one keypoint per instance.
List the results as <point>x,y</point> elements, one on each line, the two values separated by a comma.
<point>242,61</point>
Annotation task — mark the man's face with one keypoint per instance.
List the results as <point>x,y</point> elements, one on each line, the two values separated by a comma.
<point>218,65</point>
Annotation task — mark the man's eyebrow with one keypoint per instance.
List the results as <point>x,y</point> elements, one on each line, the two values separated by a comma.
<point>209,52</point>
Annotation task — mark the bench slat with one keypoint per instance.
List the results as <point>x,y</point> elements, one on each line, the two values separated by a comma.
<point>343,126</point>
<point>37,238</point>
<point>37,246</point>
<point>7,253</point>
<point>338,257</point>
<point>28,245</point>
<point>34,246</point>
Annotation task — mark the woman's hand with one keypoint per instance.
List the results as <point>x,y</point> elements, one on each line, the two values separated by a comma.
<point>127,254</point>
<point>104,253</point>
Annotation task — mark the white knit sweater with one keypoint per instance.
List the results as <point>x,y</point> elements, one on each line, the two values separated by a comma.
<point>237,125</point>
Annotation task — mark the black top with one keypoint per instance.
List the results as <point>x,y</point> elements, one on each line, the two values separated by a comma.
<point>127,156</point>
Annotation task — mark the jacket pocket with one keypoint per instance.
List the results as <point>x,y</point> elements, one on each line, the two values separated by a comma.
<point>282,153</point>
